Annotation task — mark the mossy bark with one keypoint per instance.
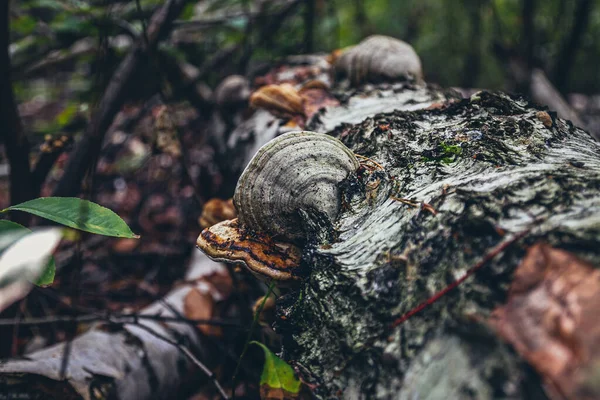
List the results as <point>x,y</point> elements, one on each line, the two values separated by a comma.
<point>490,166</point>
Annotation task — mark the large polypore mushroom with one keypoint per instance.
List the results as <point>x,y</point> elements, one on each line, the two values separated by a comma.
<point>292,178</point>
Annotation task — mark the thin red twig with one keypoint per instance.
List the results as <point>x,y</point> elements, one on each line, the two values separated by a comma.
<point>488,257</point>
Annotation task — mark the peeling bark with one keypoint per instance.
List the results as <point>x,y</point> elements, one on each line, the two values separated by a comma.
<point>480,171</point>
<point>117,361</point>
<point>490,168</point>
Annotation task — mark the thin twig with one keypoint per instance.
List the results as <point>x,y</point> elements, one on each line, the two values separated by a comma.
<point>247,342</point>
<point>116,319</point>
<point>364,158</point>
<point>189,355</point>
<point>405,201</point>
<point>488,257</point>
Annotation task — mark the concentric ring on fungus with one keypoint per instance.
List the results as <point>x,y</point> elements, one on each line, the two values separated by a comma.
<point>295,171</point>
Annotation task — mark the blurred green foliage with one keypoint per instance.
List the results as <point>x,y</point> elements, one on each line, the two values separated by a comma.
<point>442,33</point>
<point>454,39</point>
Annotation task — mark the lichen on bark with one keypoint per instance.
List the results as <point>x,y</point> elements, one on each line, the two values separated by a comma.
<point>489,168</point>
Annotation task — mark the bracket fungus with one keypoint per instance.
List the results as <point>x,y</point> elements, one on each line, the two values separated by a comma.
<point>280,100</point>
<point>379,58</point>
<point>227,241</point>
<point>232,91</point>
<point>292,178</point>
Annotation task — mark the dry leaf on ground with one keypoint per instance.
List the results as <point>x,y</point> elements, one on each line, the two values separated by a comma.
<point>552,320</point>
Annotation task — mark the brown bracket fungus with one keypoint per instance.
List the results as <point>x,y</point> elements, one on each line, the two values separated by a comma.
<point>379,58</point>
<point>293,177</point>
<point>280,100</point>
<point>227,241</point>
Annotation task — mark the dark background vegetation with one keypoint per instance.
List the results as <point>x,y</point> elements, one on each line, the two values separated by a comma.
<point>64,52</point>
<point>64,58</point>
<point>461,43</point>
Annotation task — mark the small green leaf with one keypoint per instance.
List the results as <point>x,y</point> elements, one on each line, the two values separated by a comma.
<point>7,226</point>
<point>78,214</point>
<point>277,376</point>
<point>24,24</point>
<point>10,232</point>
<point>47,276</point>
<point>67,115</point>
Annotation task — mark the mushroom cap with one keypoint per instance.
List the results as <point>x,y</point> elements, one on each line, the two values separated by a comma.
<point>232,90</point>
<point>295,171</point>
<point>229,242</point>
<point>379,58</point>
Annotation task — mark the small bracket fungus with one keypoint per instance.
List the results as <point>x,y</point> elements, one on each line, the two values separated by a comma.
<point>280,100</point>
<point>227,241</point>
<point>379,58</point>
<point>215,211</point>
<point>232,91</point>
<point>291,179</point>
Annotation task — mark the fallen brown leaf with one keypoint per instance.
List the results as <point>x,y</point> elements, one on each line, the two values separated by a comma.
<point>199,305</point>
<point>552,319</point>
<point>316,98</point>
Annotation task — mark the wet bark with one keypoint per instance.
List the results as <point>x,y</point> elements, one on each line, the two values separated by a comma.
<point>480,171</point>
<point>490,166</point>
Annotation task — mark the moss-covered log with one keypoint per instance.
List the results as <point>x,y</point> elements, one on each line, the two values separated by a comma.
<point>445,185</point>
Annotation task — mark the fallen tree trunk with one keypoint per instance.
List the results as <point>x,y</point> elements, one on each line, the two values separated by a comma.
<point>448,187</point>
<point>450,184</point>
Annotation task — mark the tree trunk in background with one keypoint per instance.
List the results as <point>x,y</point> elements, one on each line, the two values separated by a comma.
<point>568,52</point>
<point>15,142</point>
<point>472,66</point>
<point>528,40</point>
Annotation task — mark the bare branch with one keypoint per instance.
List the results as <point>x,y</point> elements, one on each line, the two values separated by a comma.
<point>15,141</point>
<point>115,95</point>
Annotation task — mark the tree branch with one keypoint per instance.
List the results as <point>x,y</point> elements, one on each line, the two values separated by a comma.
<point>15,141</point>
<point>114,97</point>
<point>566,57</point>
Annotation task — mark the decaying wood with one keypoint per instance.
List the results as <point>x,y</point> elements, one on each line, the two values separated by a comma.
<point>490,166</point>
<point>543,92</point>
<point>127,361</point>
<point>448,181</point>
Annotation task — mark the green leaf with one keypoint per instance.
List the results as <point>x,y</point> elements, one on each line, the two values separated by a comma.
<point>10,232</point>
<point>277,376</point>
<point>24,24</point>
<point>47,275</point>
<point>67,115</point>
<point>78,214</point>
